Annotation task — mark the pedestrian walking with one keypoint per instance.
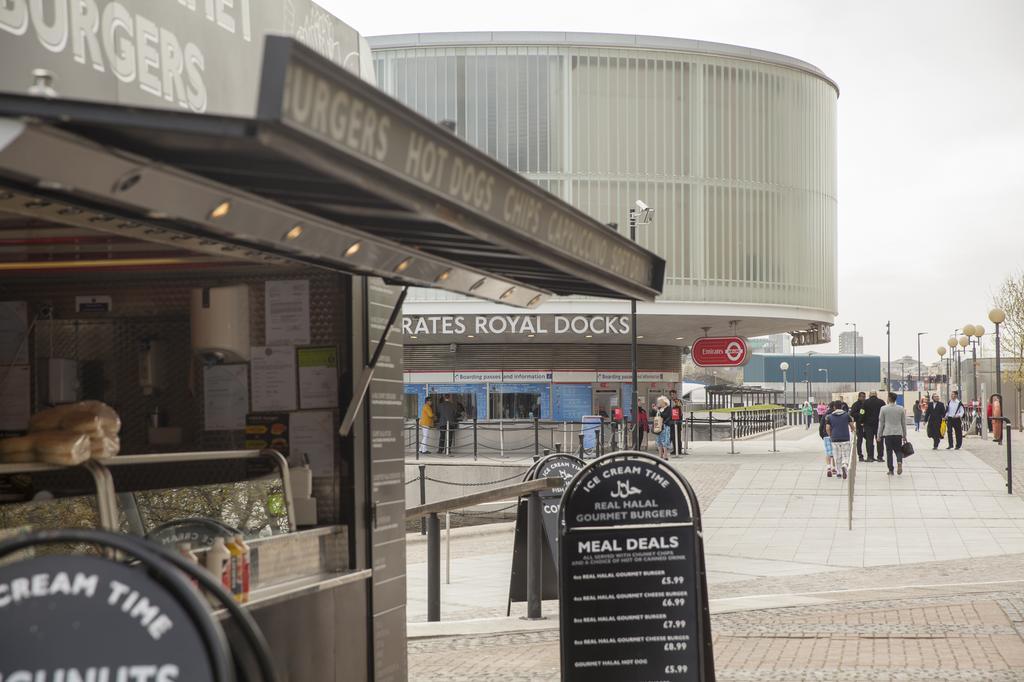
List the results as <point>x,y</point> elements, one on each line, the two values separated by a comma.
<point>426,424</point>
<point>821,409</point>
<point>858,412</point>
<point>872,407</point>
<point>446,422</point>
<point>808,413</point>
<point>676,407</point>
<point>826,442</point>
<point>954,421</point>
<point>661,428</point>
<point>917,416</point>
<point>934,415</point>
<point>892,427</point>
<point>837,426</point>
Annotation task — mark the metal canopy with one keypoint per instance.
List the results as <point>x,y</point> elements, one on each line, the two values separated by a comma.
<point>331,172</point>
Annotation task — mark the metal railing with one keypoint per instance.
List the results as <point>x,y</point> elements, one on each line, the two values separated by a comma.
<point>512,440</point>
<point>431,510</point>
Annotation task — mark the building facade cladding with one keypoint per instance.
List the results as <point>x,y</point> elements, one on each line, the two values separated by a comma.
<point>735,148</point>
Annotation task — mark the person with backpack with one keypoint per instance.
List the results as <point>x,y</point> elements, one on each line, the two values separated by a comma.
<point>660,428</point>
<point>837,425</point>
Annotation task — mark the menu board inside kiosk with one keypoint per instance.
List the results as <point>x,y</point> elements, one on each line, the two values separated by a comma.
<point>633,597</point>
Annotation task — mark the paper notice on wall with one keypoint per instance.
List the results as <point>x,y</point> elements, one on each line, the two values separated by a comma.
<point>287,312</point>
<point>312,436</point>
<point>318,377</point>
<point>13,332</point>
<point>273,379</point>
<point>15,396</point>
<point>225,397</point>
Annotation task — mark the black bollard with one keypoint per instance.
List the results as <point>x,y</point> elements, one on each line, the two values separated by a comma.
<point>433,568</point>
<point>534,576</point>
<point>423,496</point>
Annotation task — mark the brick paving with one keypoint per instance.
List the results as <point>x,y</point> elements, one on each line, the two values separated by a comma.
<point>950,637</point>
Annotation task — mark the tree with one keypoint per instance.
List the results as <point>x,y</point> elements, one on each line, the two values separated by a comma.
<point>1011,299</point>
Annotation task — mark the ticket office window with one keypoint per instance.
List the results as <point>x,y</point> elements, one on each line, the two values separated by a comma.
<point>520,401</point>
<point>465,403</point>
<point>605,401</point>
<point>515,405</point>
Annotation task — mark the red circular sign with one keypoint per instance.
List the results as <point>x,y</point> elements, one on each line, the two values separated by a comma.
<point>720,351</point>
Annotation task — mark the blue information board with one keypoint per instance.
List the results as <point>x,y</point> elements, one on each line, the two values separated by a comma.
<point>571,402</point>
<point>628,404</point>
<point>420,390</point>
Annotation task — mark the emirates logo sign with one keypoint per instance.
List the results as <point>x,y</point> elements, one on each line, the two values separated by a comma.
<point>720,351</point>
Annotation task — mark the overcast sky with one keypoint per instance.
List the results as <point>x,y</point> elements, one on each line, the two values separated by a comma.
<point>931,131</point>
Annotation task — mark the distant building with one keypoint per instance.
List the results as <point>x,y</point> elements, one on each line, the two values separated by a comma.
<point>776,343</point>
<point>846,343</point>
<point>818,375</point>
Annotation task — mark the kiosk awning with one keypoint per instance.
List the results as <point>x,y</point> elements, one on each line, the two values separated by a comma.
<point>331,172</point>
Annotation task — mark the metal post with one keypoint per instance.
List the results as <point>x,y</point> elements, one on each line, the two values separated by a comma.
<point>423,496</point>
<point>732,433</point>
<point>999,369</point>
<point>536,438</point>
<point>416,437</point>
<point>1009,456</point>
<point>855,357</point>
<point>433,568</point>
<point>711,427</point>
<point>686,435</point>
<point>533,558</point>
<point>447,548</point>
<point>774,418</point>
<point>888,356</point>
<point>600,438</point>
<point>474,440</point>
<point>974,370</point>
<point>633,349</point>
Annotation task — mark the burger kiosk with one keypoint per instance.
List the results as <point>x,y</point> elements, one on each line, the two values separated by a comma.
<point>223,265</point>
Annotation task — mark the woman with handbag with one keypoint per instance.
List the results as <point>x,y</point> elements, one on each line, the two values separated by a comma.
<point>660,428</point>
<point>892,429</point>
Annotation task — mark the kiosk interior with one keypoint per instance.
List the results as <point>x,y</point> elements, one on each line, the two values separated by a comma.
<point>229,285</point>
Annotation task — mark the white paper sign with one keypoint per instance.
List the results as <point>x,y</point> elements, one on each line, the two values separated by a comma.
<point>273,379</point>
<point>15,394</point>
<point>318,377</point>
<point>287,312</point>
<point>13,328</point>
<point>312,435</point>
<point>225,397</point>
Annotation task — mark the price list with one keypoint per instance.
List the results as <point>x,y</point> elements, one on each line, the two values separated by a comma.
<point>633,601</point>
<point>633,611</point>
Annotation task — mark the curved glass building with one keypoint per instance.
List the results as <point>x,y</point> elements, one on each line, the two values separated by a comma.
<point>734,148</point>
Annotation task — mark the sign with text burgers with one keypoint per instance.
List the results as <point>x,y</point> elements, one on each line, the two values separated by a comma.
<point>633,598</point>
<point>566,467</point>
<point>86,618</point>
<point>720,351</point>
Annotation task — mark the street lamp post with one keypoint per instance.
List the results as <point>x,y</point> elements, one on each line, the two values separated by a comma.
<point>784,366</point>
<point>919,335</point>
<point>888,355</point>
<point>807,378</point>
<point>641,216</point>
<point>854,325</point>
<point>952,343</point>
<point>941,350</point>
<point>963,342</point>
<point>998,316</point>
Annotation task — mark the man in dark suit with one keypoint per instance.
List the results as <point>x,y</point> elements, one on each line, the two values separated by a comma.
<point>933,416</point>
<point>857,411</point>
<point>872,408</point>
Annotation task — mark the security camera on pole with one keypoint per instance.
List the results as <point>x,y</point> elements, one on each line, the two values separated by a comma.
<point>640,216</point>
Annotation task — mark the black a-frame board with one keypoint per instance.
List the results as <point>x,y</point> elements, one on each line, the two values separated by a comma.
<point>633,603</point>
<point>565,466</point>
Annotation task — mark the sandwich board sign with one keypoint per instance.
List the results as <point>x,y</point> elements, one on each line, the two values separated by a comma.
<point>86,618</point>
<point>565,466</point>
<point>633,591</point>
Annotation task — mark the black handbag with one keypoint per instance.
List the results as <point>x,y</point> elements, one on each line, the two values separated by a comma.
<point>908,449</point>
